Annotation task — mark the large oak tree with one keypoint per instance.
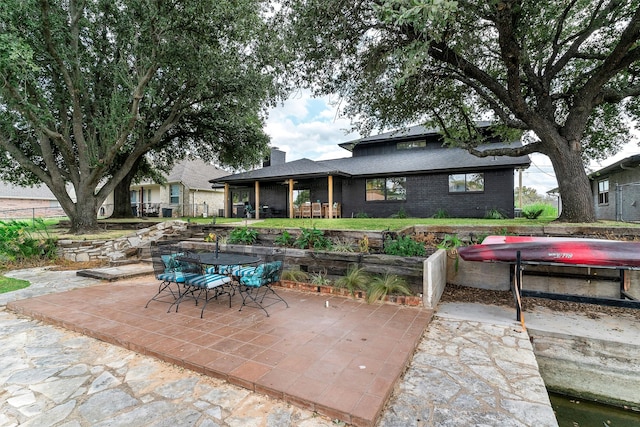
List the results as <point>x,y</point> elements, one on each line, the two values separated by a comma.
<point>563,73</point>
<point>88,88</point>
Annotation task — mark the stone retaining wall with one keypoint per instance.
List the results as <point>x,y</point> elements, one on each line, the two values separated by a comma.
<point>123,247</point>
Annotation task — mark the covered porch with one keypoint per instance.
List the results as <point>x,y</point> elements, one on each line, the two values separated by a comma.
<point>304,195</point>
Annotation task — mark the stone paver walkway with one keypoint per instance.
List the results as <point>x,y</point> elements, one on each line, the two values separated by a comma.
<point>470,373</point>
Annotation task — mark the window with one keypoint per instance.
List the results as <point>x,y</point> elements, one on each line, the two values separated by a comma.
<point>411,144</point>
<point>603,192</point>
<point>174,197</point>
<point>386,189</point>
<point>240,196</point>
<point>466,183</point>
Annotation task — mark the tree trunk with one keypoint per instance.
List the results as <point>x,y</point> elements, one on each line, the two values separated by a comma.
<point>575,188</point>
<point>122,199</point>
<point>121,195</point>
<point>84,217</point>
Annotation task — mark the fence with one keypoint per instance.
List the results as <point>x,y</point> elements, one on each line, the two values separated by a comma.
<point>165,210</point>
<point>31,213</point>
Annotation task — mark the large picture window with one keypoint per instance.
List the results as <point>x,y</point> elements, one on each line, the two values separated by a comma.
<point>603,192</point>
<point>394,188</point>
<point>466,183</point>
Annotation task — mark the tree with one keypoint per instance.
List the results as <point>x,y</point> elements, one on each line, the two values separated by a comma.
<point>563,73</point>
<point>88,88</point>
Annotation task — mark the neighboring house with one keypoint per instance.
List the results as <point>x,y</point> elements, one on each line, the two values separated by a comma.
<point>616,190</point>
<point>27,202</point>
<point>403,171</point>
<point>187,192</point>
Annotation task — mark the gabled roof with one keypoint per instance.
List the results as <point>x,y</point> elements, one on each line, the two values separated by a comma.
<point>195,174</point>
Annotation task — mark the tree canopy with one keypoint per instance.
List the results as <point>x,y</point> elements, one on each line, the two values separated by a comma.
<point>89,87</point>
<point>562,73</point>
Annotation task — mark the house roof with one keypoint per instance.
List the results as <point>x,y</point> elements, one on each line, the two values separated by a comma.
<point>410,133</point>
<point>194,174</point>
<point>630,162</point>
<point>37,192</point>
<point>404,162</point>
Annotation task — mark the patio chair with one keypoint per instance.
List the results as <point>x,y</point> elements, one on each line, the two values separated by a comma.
<point>200,284</point>
<point>256,287</point>
<point>169,272</point>
<point>316,210</point>
<point>305,210</point>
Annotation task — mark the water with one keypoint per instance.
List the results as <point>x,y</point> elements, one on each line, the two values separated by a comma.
<point>578,413</point>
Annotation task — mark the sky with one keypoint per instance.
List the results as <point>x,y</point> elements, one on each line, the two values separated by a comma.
<point>306,127</point>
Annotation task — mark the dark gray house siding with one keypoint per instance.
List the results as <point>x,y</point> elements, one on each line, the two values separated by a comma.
<point>622,203</point>
<point>429,194</point>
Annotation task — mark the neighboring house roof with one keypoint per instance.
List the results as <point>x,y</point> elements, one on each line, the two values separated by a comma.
<point>37,192</point>
<point>631,162</point>
<point>193,174</point>
<point>404,162</point>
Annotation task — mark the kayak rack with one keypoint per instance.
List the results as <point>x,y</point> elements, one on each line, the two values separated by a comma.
<point>518,270</point>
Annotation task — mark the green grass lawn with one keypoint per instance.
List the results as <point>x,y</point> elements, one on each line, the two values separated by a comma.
<point>8,284</point>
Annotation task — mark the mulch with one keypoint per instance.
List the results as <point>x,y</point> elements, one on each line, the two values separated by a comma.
<point>457,293</point>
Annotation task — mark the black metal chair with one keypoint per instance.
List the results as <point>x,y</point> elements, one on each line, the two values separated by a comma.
<point>169,272</point>
<point>199,284</point>
<point>256,287</point>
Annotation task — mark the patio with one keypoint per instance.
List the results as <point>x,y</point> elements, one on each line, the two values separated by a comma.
<point>341,361</point>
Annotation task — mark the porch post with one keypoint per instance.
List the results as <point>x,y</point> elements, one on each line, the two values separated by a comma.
<point>227,201</point>
<point>330,184</point>
<point>291,198</point>
<point>257,206</point>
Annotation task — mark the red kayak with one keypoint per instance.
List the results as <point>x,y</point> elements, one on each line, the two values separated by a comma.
<point>571,251</point>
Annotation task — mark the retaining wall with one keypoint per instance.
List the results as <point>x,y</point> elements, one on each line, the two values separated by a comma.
<point>121,248</point>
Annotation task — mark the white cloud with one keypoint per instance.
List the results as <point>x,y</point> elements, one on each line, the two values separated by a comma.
<point>305,127</point>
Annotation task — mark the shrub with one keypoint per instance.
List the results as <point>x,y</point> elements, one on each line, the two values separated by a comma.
<point>493,214</point>
<point>341,246</point>
<point>361,215</point>
<point>403,246</point>
<point>295,275</point>
<point>243,235</point>
<point>312,238</point>
<point>22,240</point>
<point>384,285</point>
<point>320,278</point>
<point>285,239</point>
<point>355,279</point>
<point>532,213</point>
<point>441,213</point>
<point>401,214</point>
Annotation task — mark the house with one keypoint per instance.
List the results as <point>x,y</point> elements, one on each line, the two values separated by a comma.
<point>406,171</point>
<point>29,202</point>
<point>187,192</point>
<point>616,190</point>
